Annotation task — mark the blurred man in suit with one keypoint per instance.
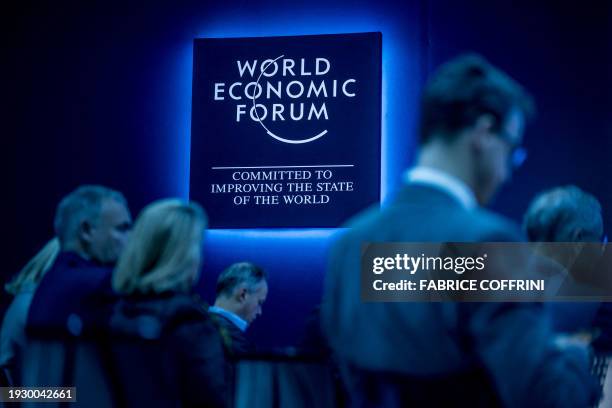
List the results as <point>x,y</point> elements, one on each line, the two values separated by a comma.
<point>450,353</point>
<point>241,292</point>
<point>92,224</point>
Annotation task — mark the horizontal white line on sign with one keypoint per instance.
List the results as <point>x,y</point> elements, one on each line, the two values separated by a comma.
<point>283,167</point>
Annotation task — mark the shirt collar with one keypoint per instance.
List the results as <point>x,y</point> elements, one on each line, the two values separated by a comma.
<point>232,317</point>
<point>444,181</point>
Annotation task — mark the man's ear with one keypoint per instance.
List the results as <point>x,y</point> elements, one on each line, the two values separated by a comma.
<point>241,293</point>
<point>480,132</point>
<point>576,235</point>
<point>85,229</point>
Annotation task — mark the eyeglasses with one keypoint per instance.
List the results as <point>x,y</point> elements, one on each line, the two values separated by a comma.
<point>518,154</point>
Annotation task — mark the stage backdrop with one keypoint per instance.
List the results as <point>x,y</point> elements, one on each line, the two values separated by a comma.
<point>286,130</point>
<point>101,92</point>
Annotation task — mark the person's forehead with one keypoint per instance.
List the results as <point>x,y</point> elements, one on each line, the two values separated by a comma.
<point>114,211</point>
<point>261,289</point>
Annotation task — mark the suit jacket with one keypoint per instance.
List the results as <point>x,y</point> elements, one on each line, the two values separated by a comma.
<point>510,343</point>
<point>69,288</point>
<point>234,340</point>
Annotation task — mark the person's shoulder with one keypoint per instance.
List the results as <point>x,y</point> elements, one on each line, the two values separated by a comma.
<point>21,302</point>
<point>72,271</point>
<point>359,228</point>
<point>19,307</point>
<point>364,219</point>
<point>191,326</point>
<point>179,308</point>
<point>17,312</point>
<point>221,321</point>
<point>439,218</point>
<point>404,216</point>
<point>488,226</point>
<point>165,313</point>
<point>234,340</point>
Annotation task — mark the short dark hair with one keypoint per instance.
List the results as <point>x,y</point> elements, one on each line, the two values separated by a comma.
<point>462,90</point>
<point>238,273</point>
<point>555,213</point>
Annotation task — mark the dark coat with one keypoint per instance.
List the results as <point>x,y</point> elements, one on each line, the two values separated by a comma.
<point>234,340</point>
<point>503,350</point>
<point>166,347</point>
<point>67,290</point>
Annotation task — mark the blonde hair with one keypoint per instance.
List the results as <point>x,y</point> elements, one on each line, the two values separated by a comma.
<point>162,249</point>
<point>35,269</point>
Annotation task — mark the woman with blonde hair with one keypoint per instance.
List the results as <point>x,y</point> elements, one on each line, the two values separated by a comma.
<point>22,287</point>
<point>154,277</point>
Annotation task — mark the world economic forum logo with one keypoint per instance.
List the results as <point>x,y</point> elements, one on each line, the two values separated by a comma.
<point>282,90</point>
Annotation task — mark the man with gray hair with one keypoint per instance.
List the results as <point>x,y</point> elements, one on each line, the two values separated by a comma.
<point>241,292</point>
<point>564,214</point>
<point>92,224</point>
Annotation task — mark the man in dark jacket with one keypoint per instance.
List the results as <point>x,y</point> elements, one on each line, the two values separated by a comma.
<point>92,224</point>
<point>241,292</point>
<point>448,353</point>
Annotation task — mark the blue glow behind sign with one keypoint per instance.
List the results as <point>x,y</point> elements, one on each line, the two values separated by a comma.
<point>286,130</point>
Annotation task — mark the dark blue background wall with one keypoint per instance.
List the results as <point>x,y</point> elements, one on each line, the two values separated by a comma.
<point>102,94</point>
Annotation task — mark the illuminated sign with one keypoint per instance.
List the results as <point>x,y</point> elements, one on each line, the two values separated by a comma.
<point>286,130</point>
